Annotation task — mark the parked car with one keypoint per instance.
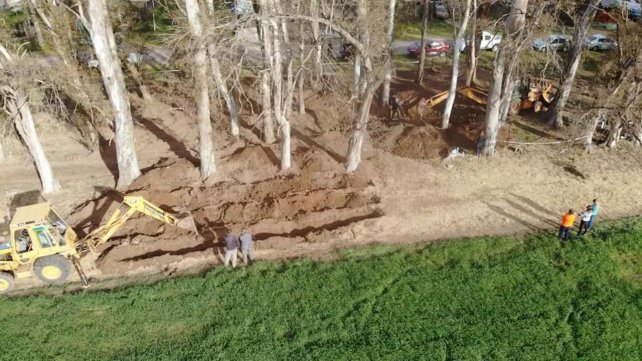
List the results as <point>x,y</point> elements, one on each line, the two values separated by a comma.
<point>488,41</point>
<point>553,43</point>
<point>433,48</point>
<point>599,42</point>
<point>440,11</point>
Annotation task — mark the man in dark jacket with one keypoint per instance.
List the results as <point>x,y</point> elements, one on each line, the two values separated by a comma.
<point>231,248</point>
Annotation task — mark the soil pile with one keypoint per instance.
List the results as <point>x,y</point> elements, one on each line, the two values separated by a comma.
<point>311,205</point>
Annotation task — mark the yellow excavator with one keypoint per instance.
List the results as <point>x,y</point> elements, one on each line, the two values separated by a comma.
<point>43,245</point>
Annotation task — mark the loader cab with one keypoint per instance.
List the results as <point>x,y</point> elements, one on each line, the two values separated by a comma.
<point>38,231</point>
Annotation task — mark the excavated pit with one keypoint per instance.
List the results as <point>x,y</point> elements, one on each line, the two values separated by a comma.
<point>282,210</point>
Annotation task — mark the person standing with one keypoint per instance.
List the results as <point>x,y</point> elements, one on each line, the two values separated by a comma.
<point>247,246</point>
<point>595,209</point>
<point>393,103</point>
<point>585,219</point>
<point>231,248</point>
<point>567,222</point>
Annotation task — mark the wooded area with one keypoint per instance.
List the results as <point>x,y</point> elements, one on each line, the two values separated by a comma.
<point>269,56</point>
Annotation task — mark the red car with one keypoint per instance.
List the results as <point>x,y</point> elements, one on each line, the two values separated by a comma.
<point>433,47</point>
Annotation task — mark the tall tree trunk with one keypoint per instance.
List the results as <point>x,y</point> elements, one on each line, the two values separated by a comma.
<point>268,113</point>
<point>514,25</point>
<point>1,149</point>
<point>21,113</point>
<point>318,65</point>
<point>424,31</point>
<point>507,93</point>
<point>387,79</point>
<point>614,133</point>
<point>139,80</point>
<point>637,133</point>
<point>471,76</point>
<point>459,40</point>
<point>494,104</point>
<point>367,88</point>
<point>573,63</point>
<point>221,86</point>
<point>206,142</point>
<point>301,79</point>
<point>104,44</point>
<point>282,105</point>
<point>353,157</point>
<point>616,126</point>
<point>356,82</point>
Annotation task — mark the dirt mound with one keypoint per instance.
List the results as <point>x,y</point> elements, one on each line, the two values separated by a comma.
<point>310,205</point>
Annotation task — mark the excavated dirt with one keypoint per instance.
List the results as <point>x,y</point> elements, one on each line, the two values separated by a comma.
<point>281,210</point>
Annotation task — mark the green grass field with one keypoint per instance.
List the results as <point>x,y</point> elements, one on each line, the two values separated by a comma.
<point>479,299</point>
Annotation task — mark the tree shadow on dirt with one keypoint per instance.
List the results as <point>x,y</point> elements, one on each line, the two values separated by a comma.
<point>313,143</point>
<point>546,219</point>
<point>25,199</point>
<point>108,155</point>
<point>103,199</point>
<point>208,244</point>
<point>175,145</point>
<point>533,204</point>
<point>501,211</point>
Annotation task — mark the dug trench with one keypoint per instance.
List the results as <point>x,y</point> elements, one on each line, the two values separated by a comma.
<point>283,210</point>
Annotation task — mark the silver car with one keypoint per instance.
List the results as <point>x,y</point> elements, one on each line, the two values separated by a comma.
<point>553,43</point>
<point>599,42</point>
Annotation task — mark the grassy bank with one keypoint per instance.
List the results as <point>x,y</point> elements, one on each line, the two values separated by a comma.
<point>486,298</point>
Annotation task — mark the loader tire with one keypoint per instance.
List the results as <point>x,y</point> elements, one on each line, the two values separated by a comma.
<point>6,282</point>
<point>52,270</point>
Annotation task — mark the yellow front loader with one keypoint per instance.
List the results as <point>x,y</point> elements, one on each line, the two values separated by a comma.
<point>43,245</point>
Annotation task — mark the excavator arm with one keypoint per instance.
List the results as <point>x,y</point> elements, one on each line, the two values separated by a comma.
<point>130,206</point>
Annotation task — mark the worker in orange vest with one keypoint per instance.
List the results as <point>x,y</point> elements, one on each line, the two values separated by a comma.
<point>567,222</point>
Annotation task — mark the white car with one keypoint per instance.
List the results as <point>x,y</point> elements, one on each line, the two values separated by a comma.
<point>599,42</point>
<point>488,41</point>
<point>553,43</point>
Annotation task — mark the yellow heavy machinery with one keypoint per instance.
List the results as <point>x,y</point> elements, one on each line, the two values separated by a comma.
<point>43,245</point>
<point>476,94</point>
<point>535,95</point>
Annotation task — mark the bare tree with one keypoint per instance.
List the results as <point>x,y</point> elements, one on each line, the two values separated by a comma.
<point>625,67</point>
<point>459,41</point>
<point>385,94</point>
<point>206,142</point>
<point>616,126</point>
<point>318,66</point>
<point>424,31</point>
<point>514,25</point>
<point>23,119</point>
<point>267,115</point>
<point>223,89</point>
<point>301,79</point>
<point>20,112</point>
<point>367,88</point>
<point>104,45</point>
<point>471,57</point>
<point>572,64</point>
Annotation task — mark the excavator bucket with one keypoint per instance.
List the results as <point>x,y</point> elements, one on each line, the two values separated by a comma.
<point>184,220</point>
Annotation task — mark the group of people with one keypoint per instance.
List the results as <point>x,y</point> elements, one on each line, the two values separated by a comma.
<point>587,220</point>
<point>244,242</point>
